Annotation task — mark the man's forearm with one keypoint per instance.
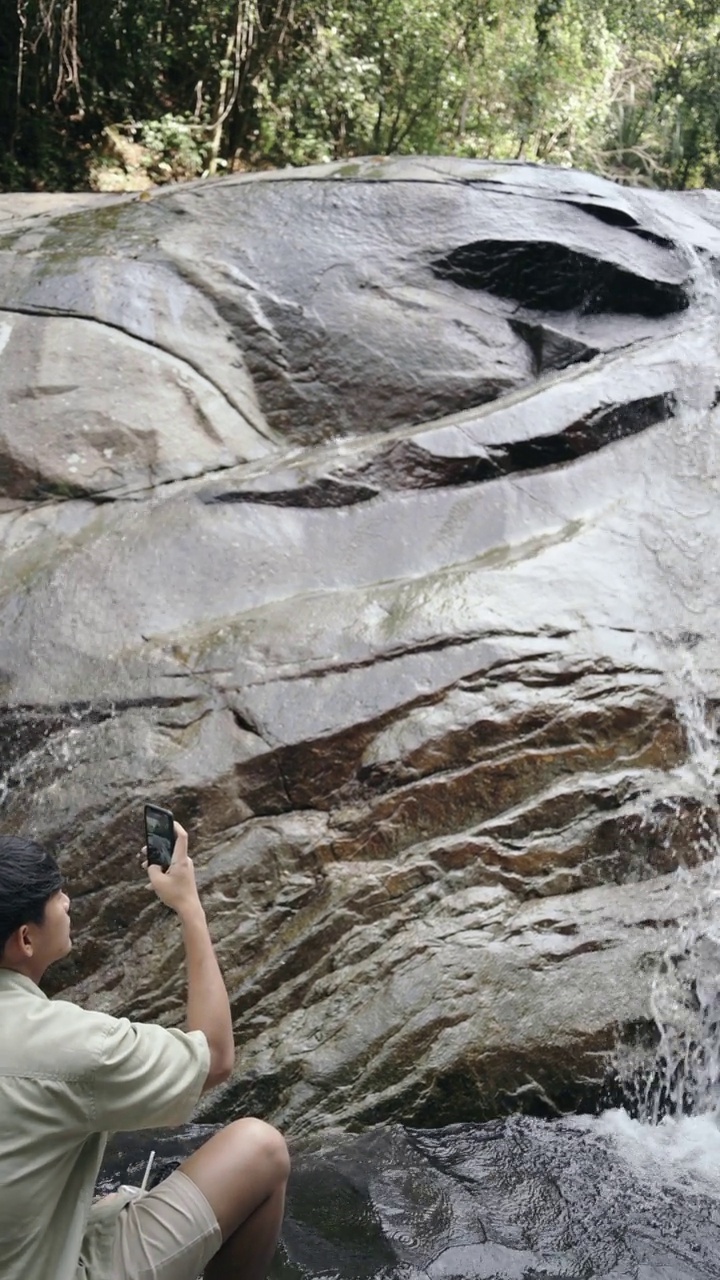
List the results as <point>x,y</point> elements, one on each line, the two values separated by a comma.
<point>208,1007</point>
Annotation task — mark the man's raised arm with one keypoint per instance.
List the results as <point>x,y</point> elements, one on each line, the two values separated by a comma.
<point>208,1007</point>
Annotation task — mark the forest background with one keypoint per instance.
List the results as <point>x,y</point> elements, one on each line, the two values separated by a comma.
<point>125,94</point>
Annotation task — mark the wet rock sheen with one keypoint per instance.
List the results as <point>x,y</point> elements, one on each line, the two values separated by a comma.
<point>363,520</point>
<point>510,1200</point>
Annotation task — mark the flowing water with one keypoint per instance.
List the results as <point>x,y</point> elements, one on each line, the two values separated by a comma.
<point>607,1198</point>
<point>683,1076</point>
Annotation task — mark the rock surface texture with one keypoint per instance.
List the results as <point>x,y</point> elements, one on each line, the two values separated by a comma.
<point>367,516</point>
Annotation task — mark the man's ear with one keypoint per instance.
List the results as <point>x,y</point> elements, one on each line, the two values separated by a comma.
<point>18,946</point>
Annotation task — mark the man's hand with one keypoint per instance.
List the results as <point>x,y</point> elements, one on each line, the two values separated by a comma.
<point>176,887</point>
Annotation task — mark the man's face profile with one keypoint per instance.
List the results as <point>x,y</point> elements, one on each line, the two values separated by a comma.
<point>34,947</point>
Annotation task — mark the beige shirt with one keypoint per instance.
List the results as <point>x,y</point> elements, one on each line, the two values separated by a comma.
<point>67,1076</point>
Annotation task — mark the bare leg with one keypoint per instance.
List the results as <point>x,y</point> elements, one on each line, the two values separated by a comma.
<point>250,1250</point>
<point>242,1172</point>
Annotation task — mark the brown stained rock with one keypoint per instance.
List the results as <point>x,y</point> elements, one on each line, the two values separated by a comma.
<point>368,521</point>
<point>506,1026</point>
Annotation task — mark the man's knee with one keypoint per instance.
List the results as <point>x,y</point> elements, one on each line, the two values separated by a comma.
<point>241,1168</point>
<point>267,1145</point>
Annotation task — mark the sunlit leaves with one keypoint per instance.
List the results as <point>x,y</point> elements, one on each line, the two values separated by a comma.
<point>625,87</point>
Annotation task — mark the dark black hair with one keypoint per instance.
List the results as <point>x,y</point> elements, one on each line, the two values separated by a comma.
<point>29,876</point>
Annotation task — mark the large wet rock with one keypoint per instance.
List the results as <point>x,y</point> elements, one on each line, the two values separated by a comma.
<point>367,516</point>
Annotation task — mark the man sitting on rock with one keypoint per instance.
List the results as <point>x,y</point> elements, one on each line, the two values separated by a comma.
<point>68,1075</point>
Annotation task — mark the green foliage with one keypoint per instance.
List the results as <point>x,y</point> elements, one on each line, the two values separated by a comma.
<point>174,145</point>
<point>625,87</point>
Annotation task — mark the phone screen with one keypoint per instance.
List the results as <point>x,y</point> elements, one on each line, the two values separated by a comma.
<point>159,835</point>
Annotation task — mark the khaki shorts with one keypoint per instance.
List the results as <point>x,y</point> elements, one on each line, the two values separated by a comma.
<point>169,1233</point>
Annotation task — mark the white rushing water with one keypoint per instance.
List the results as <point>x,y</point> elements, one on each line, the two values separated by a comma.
<point>681,1151</point>
<point>685,1077</point>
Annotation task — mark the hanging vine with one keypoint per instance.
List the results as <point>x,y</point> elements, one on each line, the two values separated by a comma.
<point>67,83</point>
<point>22,8</point>
<point>237,53</point>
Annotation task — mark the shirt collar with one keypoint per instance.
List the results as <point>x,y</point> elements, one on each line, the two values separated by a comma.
<point>9,978</point>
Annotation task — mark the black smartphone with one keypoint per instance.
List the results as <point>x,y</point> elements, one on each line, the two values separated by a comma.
<point>159,835</point>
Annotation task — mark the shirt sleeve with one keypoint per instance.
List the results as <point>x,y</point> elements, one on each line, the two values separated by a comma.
<point>146,1076</point>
